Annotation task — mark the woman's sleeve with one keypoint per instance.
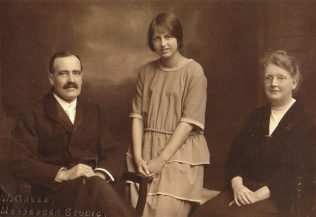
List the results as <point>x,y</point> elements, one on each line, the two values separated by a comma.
<point>194,104</point>
<point>235,162</point>
<point>138,99</point>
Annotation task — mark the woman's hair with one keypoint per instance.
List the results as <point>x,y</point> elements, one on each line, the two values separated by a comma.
<point>283,60</point>
<point>170,23</point>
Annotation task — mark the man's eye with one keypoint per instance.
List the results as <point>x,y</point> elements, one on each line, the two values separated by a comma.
<point>61,73</point>
<point>77,72</point>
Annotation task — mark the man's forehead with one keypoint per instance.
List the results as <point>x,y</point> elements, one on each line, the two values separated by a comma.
<point>68,61</point>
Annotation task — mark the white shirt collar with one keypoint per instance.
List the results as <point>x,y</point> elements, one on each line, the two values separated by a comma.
<point>69,108</point>
<point>66,105</point>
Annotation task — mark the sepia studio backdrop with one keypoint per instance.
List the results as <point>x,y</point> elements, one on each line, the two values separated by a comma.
<point>225,37</point>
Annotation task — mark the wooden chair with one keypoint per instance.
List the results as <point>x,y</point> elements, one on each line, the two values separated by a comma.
<point>142,181</point>
<point>305,201</point>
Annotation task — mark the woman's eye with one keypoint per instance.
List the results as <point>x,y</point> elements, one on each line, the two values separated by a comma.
<point>267,78</point>
<point>155,38</point>
<point>169,36</point>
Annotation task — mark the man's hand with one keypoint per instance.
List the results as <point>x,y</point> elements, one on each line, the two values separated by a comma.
<point>75,172</point>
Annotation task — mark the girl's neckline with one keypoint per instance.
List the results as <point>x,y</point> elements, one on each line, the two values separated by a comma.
<point>179,66</point>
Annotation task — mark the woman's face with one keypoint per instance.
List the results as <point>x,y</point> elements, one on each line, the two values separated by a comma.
<point>278,85</point>
<point>165,44</point>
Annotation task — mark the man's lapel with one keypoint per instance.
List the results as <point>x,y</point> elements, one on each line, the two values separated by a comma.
<point>80,114</point>
<point>78,128</point>
<point>56,112</point>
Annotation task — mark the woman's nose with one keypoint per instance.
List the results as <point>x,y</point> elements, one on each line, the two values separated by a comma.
<point>274,82</point>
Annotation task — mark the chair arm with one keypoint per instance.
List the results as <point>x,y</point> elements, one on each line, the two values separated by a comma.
<point>142,181</point>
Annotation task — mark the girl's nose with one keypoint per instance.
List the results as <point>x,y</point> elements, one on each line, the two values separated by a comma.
<point>163,42</point>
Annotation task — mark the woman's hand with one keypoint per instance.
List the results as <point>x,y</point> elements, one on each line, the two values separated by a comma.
<point>243,196</point>
<point>262,193</point>
<point>155,165</point>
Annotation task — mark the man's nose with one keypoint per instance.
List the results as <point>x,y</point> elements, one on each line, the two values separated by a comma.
<point>70,77</point>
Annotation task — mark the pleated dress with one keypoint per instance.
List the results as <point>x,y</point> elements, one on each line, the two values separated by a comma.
<point>164,98</point>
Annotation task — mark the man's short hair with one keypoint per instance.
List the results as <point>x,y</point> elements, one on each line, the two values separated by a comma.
<point>60,54</point>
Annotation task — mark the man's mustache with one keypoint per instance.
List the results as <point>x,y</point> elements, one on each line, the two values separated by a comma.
<point>70,85</point>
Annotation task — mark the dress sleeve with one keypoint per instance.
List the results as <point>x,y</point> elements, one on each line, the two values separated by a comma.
<point>138,99</point>
<point>194,104</point>
<point>234,165</point>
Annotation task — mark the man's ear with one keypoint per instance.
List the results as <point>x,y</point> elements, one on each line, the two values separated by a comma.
<point>50,78</point>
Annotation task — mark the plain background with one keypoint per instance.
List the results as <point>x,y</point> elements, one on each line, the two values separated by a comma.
<point>225,37</point>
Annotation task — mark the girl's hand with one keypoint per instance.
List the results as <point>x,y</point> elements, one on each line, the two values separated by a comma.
<point>243,196</point>
<point>143,169</point>
<point>155,165</point>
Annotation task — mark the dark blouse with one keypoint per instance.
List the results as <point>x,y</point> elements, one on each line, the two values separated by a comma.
<point>276,160</point>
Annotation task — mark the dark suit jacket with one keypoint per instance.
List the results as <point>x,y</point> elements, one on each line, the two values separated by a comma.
<point>276,160</point>
<point>45,140</point>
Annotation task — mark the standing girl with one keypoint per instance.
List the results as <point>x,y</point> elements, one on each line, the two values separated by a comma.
<point>168,117</point>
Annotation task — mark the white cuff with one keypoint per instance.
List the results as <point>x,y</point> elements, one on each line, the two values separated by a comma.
<point>57,178</point>
<point>194,122</point>
<point>98,169</point>
<point>135,115</point>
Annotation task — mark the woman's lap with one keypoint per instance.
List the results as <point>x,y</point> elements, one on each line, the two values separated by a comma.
<point>218,207</point>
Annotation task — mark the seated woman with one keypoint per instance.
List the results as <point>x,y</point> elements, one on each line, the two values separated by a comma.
<point>271,151</point>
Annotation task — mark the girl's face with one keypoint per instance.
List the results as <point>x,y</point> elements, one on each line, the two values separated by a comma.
<point>278,85</point>
<point>165,44</point>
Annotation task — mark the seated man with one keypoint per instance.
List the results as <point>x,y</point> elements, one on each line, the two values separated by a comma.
<point>62,146</point>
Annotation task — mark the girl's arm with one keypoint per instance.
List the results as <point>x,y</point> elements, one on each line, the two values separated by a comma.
<point>178,138</point>
<point>137,140</point>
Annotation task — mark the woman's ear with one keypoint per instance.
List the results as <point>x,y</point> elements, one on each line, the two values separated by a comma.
<point>295,82</point>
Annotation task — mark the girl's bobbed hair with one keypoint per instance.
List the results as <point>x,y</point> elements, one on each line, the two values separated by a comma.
<point>170,23</point>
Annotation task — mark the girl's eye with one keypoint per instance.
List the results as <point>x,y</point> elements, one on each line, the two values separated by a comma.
<point>155,38</point>
<point>169,36</point>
